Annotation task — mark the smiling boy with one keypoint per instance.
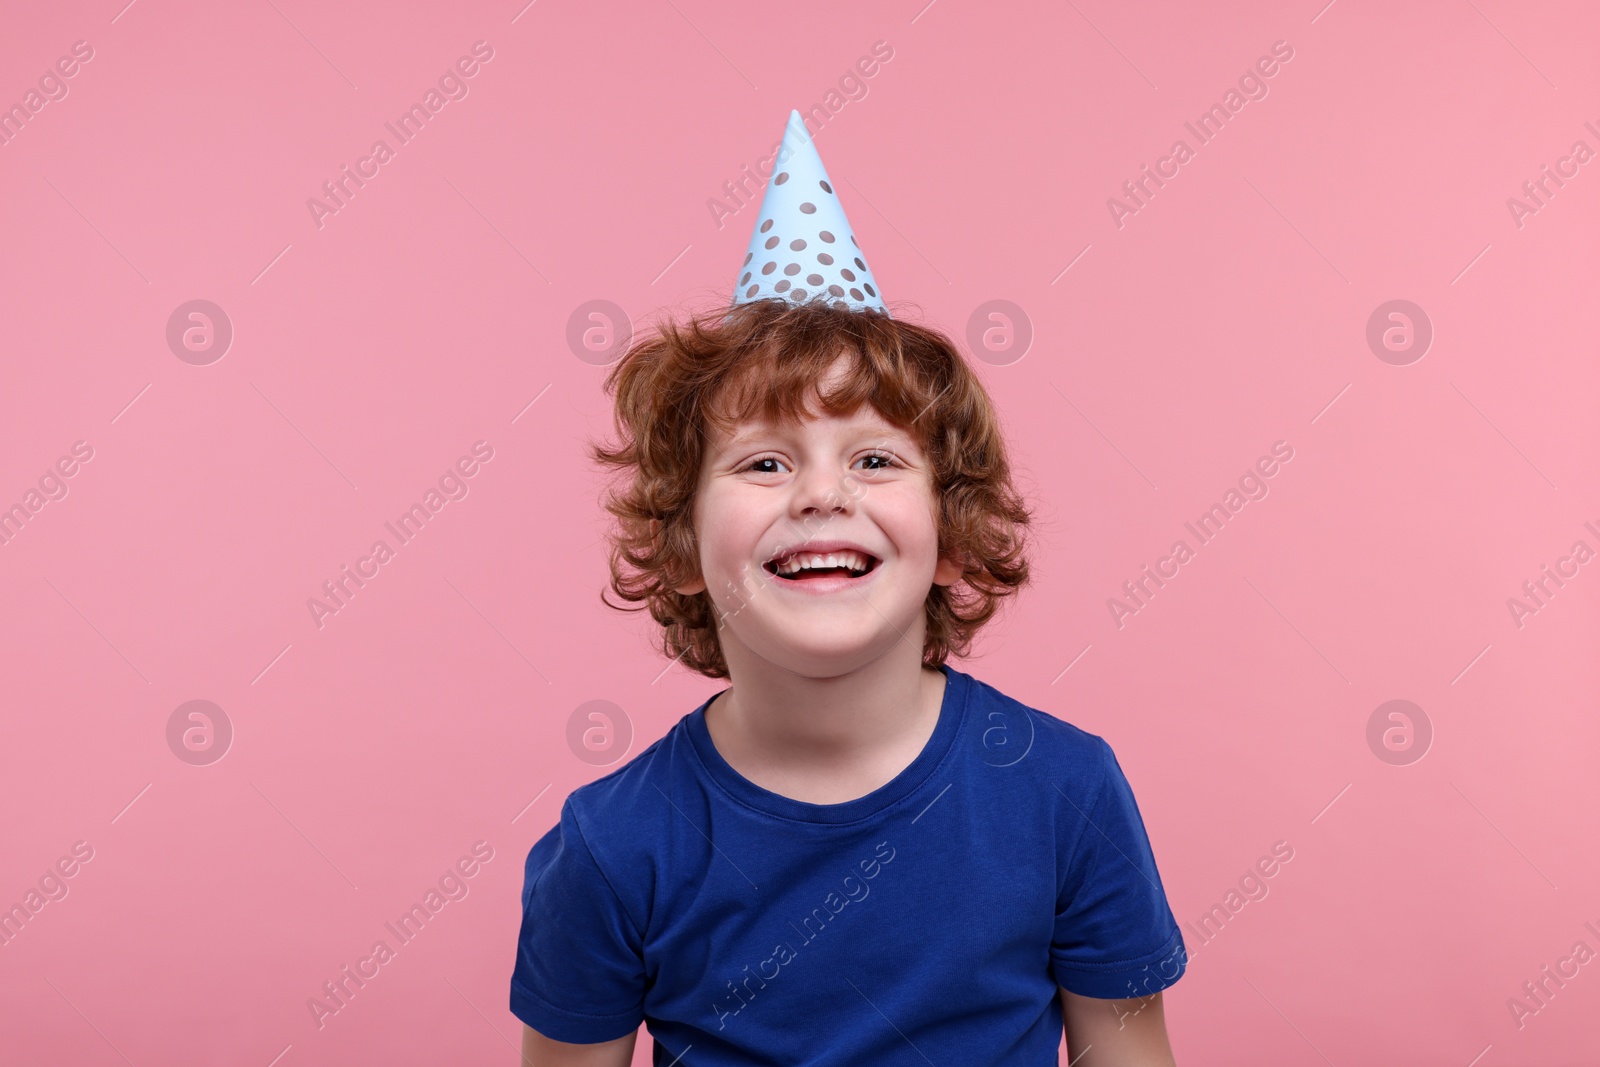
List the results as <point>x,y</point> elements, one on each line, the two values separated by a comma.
<point>854,853</point>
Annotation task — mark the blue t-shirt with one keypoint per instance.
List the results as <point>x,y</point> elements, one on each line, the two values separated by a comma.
<point>931,919</point>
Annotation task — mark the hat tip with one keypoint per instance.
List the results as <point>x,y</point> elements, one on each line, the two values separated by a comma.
<point>801,230</point>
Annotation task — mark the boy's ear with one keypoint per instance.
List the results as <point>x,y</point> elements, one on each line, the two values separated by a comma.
<point>947,571</point>
<point>697,585</point>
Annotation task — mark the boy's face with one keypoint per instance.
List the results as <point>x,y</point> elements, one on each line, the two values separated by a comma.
<point>768,489</point>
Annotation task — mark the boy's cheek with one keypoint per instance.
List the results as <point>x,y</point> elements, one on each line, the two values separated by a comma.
<point>731,602</point>
<point>854,487</point>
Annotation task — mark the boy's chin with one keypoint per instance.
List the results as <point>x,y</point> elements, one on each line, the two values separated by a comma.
<point>823,650</point>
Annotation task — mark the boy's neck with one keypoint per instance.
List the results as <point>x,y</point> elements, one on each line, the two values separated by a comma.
<point>826,740</point>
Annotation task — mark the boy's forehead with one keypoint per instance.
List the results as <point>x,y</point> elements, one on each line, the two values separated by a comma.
<point>866,417</point>
<point>757,402</point>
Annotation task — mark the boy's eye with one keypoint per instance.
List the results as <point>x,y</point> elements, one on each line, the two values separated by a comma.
<point>883,460</point>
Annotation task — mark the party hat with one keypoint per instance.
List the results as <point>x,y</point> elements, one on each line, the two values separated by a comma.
<point>803,247</point>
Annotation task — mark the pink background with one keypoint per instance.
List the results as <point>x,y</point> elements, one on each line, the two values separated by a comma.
<point>431,712</point>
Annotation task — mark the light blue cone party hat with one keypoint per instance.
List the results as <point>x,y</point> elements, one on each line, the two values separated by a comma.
<point>803,248</point>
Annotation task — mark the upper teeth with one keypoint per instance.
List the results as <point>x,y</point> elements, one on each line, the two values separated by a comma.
<point>854,560</point>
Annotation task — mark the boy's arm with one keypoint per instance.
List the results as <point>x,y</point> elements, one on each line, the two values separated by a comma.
<point>1114,1033</point>
<point>540,1051</point>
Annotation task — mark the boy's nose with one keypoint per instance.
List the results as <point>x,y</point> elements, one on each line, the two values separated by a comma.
<point>819,489</point>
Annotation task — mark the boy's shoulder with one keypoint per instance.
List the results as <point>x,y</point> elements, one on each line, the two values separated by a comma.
<point>1011,733</point>
<point>622,789</point>
<point>625,806</point>
<point>1041,755</point>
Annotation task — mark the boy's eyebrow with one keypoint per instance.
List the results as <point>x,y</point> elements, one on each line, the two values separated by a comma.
<point>725,445</point>
<point>756,432</point>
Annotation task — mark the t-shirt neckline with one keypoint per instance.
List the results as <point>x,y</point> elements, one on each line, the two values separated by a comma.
<point>952,713</point>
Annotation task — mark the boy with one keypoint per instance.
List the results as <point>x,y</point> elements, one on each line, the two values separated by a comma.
<point>855,853</point>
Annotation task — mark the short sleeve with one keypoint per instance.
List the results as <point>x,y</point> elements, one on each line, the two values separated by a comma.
<point>579,975</point>
<point>1115,936</point>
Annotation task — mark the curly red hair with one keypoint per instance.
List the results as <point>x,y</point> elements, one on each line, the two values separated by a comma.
<point>763,360</point>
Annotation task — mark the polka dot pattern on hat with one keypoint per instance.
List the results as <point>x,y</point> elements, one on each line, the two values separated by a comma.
<point>800,223</point>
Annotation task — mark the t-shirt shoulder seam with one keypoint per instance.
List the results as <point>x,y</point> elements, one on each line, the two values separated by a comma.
<point>1070,730</point>
<point>610,882</point>
<point>1055,722</point>
<point>1088,818</point>
<point>629,765</point>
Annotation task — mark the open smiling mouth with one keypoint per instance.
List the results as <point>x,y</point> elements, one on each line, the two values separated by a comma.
<point>832,565</point>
